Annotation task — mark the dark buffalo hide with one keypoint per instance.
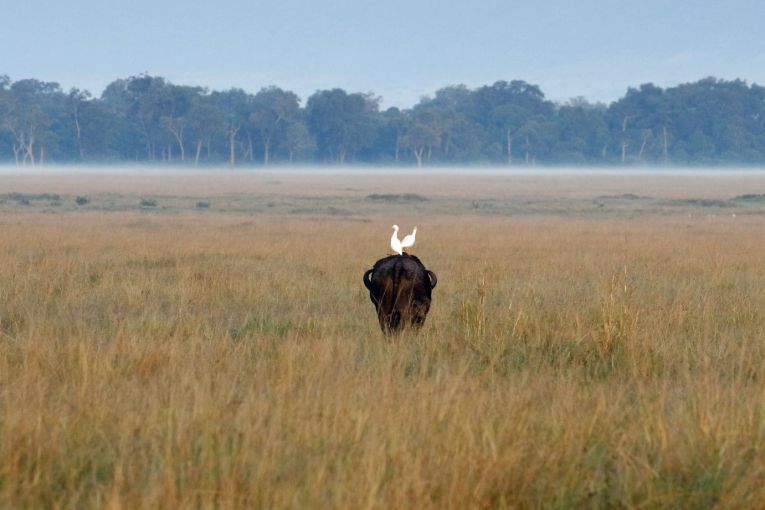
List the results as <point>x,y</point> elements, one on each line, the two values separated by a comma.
<point>399,287</point>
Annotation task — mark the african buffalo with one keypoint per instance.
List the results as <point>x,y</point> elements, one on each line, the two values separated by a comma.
<point>399,287</point>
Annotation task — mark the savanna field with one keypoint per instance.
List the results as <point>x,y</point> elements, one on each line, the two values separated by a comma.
<point>204,340</point>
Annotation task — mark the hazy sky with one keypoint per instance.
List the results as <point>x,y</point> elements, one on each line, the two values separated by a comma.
<point>400,49</point>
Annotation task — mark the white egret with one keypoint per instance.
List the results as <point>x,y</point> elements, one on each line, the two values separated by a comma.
<point>408,241</point>
<point>395,244</point>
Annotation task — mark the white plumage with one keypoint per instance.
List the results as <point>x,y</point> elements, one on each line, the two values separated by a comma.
<point>408,241</point>
<point>395,244</point>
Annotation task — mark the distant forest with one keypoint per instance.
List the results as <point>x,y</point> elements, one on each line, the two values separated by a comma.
<point>148,119</point>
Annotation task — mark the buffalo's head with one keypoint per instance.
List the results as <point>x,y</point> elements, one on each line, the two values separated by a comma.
<point>400,288</point>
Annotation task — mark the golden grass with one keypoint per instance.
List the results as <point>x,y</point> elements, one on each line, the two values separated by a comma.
<point>220,361</point>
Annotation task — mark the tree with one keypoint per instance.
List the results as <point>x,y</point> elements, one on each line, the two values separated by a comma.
<point>342,123</point>
<point>205,120</point>
<point>421,135</point>
<point>509,118</point>
<point>635,117</point>
<point>393,125</point>
<point>582,133</point>
<point>507,108</point>
<point>28,116</point>
<point>273,110</point>
<point>6,108</point>
<point>143,101</point>
<point>177,102</point>
<point>235,106</point>
<point>297,139</point>
<point>76,101</point>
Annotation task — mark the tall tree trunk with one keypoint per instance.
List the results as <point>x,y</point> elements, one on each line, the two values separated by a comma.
<point>31,151</point>
<point>22,149</point>
<point>509,136</point>
<point>78,131</point>
<point>398,145</point>
<point>418,155</point>
<point>666,146</point>
<point>42,155</point>
<point>527,150</point>
<point>266,151</point>
<point>149,142</point>
<point>178,133</point>
<point>624,139</point>
<point>250,151</point>
<point>199,150</point>
<point>231,146</point>
<point>642,147</point>
<point>16,151</point>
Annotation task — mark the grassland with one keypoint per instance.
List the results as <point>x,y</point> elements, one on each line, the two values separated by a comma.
<point>577,355</point>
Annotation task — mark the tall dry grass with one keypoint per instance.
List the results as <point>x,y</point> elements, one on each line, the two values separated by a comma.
<point>213,361</point>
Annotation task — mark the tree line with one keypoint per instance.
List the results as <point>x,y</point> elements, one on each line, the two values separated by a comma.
<point>149,119</point>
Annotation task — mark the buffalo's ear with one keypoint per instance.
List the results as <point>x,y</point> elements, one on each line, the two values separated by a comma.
<point>433,279</point>
<point>368,279</point>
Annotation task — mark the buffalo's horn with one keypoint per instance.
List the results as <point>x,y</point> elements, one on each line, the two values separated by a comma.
<point>433,279</point>
<point>367,279</point>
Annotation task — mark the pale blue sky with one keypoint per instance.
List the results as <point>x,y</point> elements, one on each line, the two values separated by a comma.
<point>399,49</point>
